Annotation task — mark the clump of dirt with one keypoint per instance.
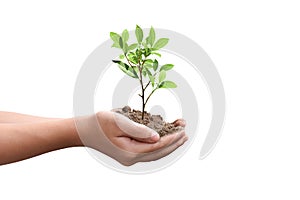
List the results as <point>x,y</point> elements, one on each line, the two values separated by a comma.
<point>155,122</point>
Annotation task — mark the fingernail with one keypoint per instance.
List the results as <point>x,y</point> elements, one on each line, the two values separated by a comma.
<point>155,136</point>
<point>181,133</point>
<point>186,138</point>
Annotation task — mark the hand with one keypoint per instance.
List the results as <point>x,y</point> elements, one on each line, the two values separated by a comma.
<point>126,141</point>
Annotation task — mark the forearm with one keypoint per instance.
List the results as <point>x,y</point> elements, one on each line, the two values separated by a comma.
<point>11,117</point>
<point>25,140</point>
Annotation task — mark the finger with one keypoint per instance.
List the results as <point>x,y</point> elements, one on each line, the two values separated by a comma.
<point>163,152</point>
<point>179,122</point>
<point>139,147</point>
<point>135,130</point>
<point>150,140</point>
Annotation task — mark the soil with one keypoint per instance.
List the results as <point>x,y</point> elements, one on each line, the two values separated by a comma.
<point>155,122</point>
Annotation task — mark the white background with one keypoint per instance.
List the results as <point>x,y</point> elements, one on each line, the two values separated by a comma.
<point>255,46</point>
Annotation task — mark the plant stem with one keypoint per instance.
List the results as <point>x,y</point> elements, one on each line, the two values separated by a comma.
<point>144,105</point>
<point>143,89</point>
<point>140,66</point>
<point>129,62</point>
<point>147,85</point>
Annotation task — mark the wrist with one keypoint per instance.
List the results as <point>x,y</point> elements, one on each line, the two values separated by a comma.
<point>73,139</point>
<point>85,130</point>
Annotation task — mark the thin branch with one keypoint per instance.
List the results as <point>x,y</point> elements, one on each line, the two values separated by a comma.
<point>149,96</point>
<point>147,85</point>
<point>142,86</point>
<point>129,62</point>
<point>141,77</point>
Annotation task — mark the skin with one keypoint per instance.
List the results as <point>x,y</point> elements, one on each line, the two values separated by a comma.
<point>25,136</point>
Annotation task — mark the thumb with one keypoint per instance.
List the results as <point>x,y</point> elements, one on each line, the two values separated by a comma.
<point>135,130</point>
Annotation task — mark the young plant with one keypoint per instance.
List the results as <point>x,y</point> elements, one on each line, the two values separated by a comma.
<point>139,60</point>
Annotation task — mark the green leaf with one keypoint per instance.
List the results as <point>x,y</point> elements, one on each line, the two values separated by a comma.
<point>166,67</point>
<point>125,35</point>
<point>145,44</point>
<point>133,71</point>
<point>126,69</point>
<point>138,53</point>
<point>132,57</point>
<point>151,37</point>
<point>148,66</point>
<point>116,45</point>
<point>144,72</point>
<point>148,72</point>
<point>147,41</point>
<point>149,61</point>
<point>155,53</point>
<point>161,43</point>
<point>121,42</point>
<point>151,80</point>
<point>133,60</point>
<point>151,77</point>
<point>121,56</point>
<point>132,46</point>
<point>167,84</point>
<point>125,48</point>
<point>121,63</point>
<point>155,65</point>
<point>130,72</point>
<point>139,34</point>
<point>162,76</point>
<point>147,52</point>
<point>130,54</point>
<point>115,37</point>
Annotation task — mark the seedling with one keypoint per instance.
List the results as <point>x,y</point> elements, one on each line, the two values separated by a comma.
<point>139,61</point>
